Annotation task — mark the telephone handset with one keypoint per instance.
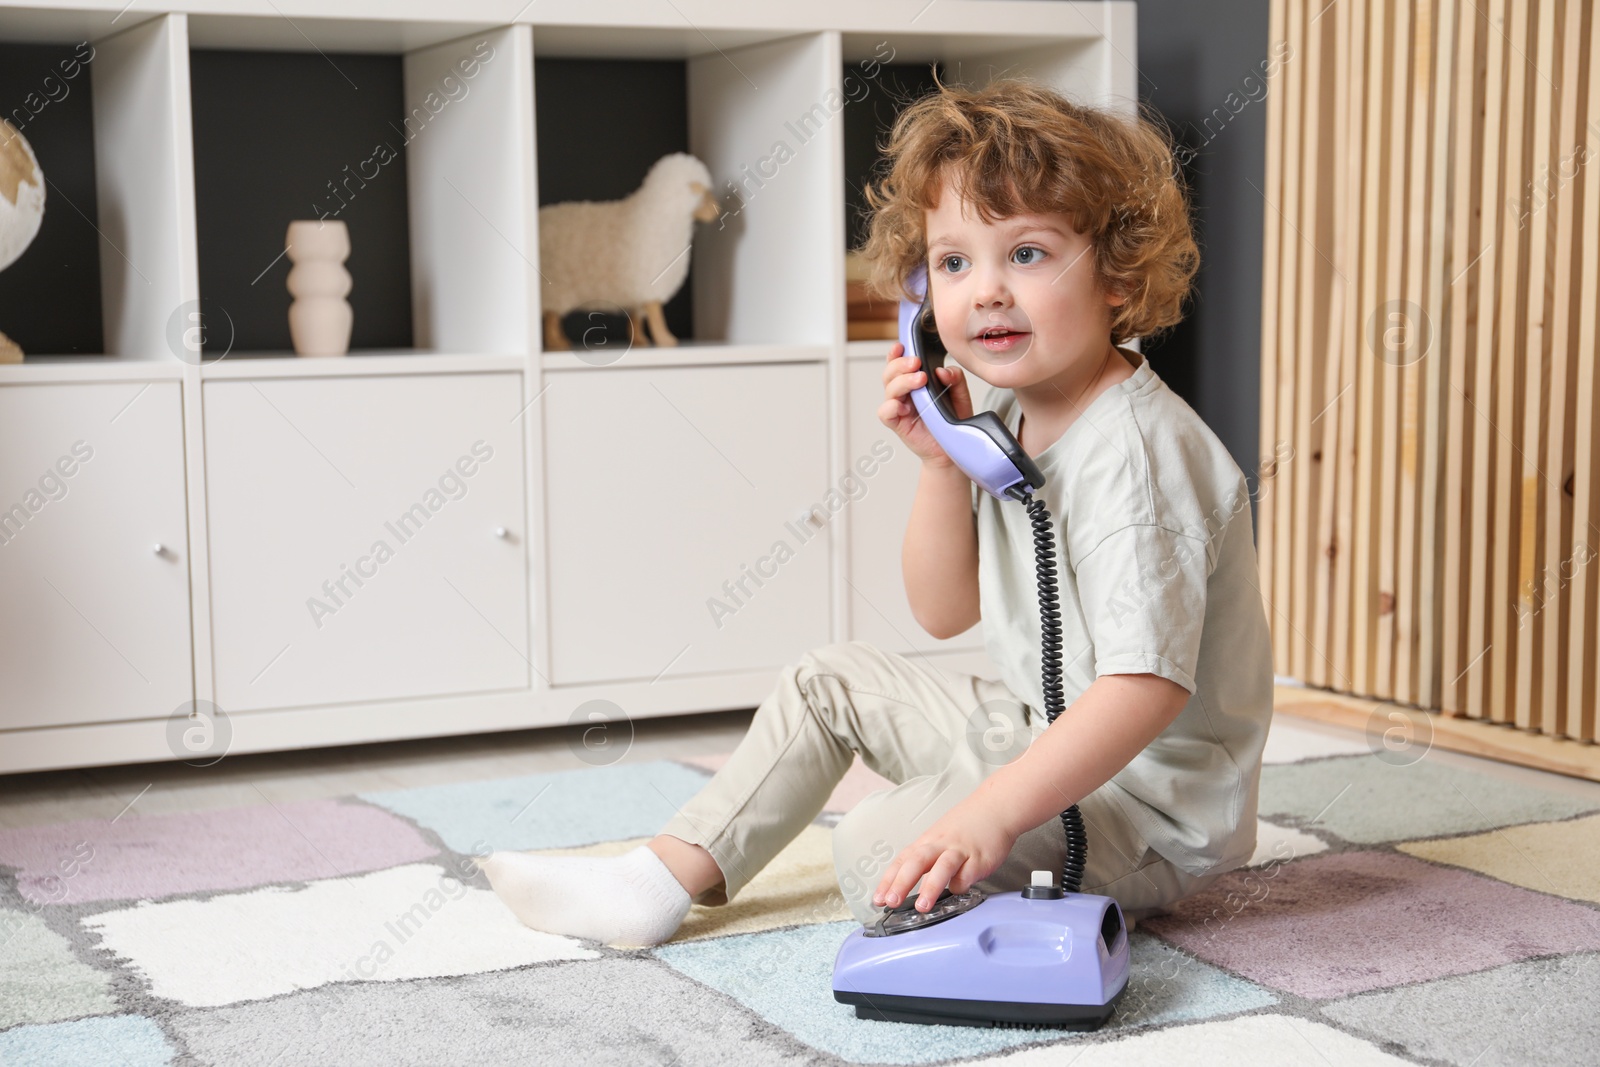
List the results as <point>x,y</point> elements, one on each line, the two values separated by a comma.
<point>980,445</point>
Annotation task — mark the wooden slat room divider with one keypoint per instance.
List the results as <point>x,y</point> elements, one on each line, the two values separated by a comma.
<point>1429,499</point>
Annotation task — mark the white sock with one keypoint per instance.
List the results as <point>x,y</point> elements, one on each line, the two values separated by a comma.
<point>629,901</point>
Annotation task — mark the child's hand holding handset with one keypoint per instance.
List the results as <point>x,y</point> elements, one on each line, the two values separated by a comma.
<point>901,374</point>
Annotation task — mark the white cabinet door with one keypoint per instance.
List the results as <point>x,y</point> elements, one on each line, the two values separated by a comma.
<point>879,610</point>
<point>95,620</point>
<point>367,538</point>
<point>677,499</point>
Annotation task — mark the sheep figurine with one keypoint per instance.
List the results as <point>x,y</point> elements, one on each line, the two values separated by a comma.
<point>631,253</point>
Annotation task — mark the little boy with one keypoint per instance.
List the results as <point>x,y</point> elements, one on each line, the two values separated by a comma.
<point>1051,233</point>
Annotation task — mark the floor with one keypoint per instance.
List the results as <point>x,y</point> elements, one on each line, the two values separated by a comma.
<point>308,774</point>
<point>1431,917</point>
<point>153,788</point>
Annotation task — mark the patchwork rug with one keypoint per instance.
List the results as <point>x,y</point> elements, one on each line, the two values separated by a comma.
<point>1392,914</point>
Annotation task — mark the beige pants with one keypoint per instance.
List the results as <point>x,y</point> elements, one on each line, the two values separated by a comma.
<point>935,732</point>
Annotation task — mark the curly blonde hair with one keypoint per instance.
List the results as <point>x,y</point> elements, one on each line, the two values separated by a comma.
<point>1017,147</point>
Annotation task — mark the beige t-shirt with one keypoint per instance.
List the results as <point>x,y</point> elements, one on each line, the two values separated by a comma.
<point>1156,573</point>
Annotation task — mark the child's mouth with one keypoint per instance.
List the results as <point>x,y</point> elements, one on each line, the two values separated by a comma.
<point>999,339</point>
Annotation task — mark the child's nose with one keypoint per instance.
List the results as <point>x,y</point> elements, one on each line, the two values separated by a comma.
<point>991,292</point>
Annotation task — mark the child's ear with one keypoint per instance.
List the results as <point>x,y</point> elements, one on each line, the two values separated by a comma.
<point>1114,295</point>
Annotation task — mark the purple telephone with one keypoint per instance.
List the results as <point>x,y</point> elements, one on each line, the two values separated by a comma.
<point>981,445</point>
<point>1048,955</point>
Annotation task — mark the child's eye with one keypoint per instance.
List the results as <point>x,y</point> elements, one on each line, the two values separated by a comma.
<point>1037,253</point>
<point>944,263</point>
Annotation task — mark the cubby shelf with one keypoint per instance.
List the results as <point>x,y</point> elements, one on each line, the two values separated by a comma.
<point>765,84</point>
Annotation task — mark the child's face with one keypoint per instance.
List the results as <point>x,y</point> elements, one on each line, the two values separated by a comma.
<point>1016,300</point>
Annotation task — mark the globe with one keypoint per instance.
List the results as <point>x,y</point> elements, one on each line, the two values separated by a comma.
<point>21,194</point>
<point>21,208</point>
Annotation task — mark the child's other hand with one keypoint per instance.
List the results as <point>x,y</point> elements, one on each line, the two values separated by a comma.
<point>962,848</point>
<point>901,374</point>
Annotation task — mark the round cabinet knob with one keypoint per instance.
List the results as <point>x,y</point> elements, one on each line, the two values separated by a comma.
<point>500,531</point>
<point>158,548</point>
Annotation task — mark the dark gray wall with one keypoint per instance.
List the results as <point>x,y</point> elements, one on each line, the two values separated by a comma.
<point>1192,56</point>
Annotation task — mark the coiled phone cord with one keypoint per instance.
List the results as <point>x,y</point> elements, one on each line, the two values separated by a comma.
<point>1044,553</point>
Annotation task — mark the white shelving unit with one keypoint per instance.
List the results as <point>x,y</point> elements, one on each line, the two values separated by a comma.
<point>581,561</point>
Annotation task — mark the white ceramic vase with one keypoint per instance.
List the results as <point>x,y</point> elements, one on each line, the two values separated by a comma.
<point>320,317</point>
